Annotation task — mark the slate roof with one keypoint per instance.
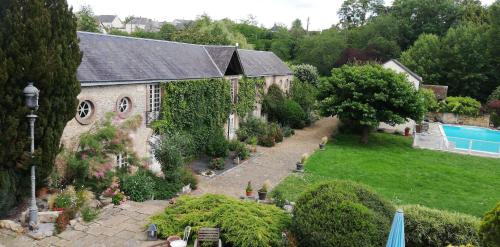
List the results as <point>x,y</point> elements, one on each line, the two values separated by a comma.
<point>109,59</point>
<point>407,70</point>
<point>221,55</point>
<point>262,63</point>
<point>141,21</point>
<point>440,91</point>
<point>105,18</point>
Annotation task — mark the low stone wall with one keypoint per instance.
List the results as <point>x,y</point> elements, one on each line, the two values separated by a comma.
<point>452,118</point>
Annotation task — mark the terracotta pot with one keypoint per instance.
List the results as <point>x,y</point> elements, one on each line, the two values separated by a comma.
<point>249,193</point>
<point>407,131</point>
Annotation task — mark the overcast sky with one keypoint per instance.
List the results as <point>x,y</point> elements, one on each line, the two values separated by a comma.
<point>322,13</point>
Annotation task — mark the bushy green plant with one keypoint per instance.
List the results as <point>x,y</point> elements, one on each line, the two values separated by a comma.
<point>432,227</point>
<point>273,102</point>
<point>217,164</point>
<point>140,186</point>
<point>251,127</point>
<point>118,198</point>
<point>217,145</point>
<point>242,151</point>
<point>266,141</point>
<point>306,73</point>
<point>89,214</point>
<point>188,177</point>
<point>165,189</point>
<point>429,98</point>
<point>274,130</point>
<point>170,158</point>
<point>287,131</point>
<point>341,213</point>
<point>489,230</point>
<point>292,115</point>
<point>461,105</point>
<point>305,95</point>
<point>233,145</point>
<point>242,223</point>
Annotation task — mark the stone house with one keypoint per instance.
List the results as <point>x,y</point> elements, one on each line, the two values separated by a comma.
<point>123,75</point>
<point>141,23</point>
<point>414,79</point>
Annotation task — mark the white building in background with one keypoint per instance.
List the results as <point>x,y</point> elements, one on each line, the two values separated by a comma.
<point>141,23</point>
<point>108,22</point>
<point>415,80</point>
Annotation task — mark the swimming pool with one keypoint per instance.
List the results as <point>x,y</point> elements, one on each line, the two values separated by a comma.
<point>474,138</point>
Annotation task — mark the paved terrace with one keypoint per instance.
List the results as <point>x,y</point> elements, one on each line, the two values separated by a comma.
<point>124,225</point>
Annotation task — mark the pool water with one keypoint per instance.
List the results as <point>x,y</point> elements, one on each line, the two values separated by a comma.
<point>478,139</point>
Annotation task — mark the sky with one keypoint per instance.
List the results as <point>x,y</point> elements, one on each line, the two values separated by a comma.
<point>321,13</point>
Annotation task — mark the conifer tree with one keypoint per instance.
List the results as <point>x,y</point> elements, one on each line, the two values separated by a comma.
<point>38,43</point>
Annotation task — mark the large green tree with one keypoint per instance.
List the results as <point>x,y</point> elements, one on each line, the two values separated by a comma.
<point>424,58</point>
<point>366,95</point>
<point>322,50</point>
<point>38,43</point>
<point>87,20</point>
<point>355,13</point>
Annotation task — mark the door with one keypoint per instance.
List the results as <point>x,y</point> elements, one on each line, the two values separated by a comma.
<point>231,131</point>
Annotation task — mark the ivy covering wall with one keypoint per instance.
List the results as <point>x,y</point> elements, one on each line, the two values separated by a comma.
<point>199,108</point>
<point>248,91</point>
<point>195,107</point>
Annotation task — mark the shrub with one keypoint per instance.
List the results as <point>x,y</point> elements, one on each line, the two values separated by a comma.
<point>140,186</point>
<point>287,131</point>
<point>252,141</point>
<point>341,213</point>
<point>429,98</point>
<point>188,177</point>
<point>306,73</point>
<point>252,127</point>
<point>305,95</point>
<point>461,105</point>
<point>489,230</point>
<point>217,145</point>
<point>165,189</point>
<point>217,164</point>
<point>273,102</point>
<point>89,214</point>
<point>233,145</point>
<point>275,131</point>
<point>242,223</point>
<point>118,198</point>
<point>431,227</point>
<point>170,158</point>
<point>293,115</point>
<point>266,141</point>
<point>243,152</point>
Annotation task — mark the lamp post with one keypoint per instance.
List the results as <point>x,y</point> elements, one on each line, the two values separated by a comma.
<point>31,95</point>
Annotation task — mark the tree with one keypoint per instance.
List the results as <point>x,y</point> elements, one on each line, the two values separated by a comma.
<point>355,13</point>
<point>493,36</point>
<point>366,95</point>
<point>167,30</point>
<point>306,73</point>
<point>424,58</point>
<point>86,20</point>
<point>417,17</point>
<point>471,11</point>
<point>38,43</point>
<point>321,50</point>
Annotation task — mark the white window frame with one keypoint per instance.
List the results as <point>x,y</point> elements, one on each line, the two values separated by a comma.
<point>122,160</point>
<point>124,105</point>
<point>81,108</point>
<point>154,97</point>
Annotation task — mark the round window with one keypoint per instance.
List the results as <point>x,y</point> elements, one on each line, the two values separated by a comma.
<point>84,109</point>
<point>124,105</point>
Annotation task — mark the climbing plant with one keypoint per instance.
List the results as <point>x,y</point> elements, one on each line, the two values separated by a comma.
<point>248,91</point>
<point>197,107</point>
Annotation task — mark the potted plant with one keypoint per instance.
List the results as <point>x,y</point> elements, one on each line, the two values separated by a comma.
<point>263,191</point>
<point>249,189</point>
<point>300,164</point>
<point>323,142</point>
<point>407,131</point>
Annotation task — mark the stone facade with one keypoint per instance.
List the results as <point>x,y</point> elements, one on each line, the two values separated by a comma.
<point>451,118</point>
<point>105,99</point>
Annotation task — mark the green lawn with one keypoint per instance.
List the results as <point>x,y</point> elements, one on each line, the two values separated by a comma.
<point>404,175</point>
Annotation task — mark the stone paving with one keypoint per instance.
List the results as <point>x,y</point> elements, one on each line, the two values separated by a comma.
<point>125,225</point>
<point>271,164</point>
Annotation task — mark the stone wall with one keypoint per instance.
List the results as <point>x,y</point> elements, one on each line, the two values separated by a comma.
<point>452,118</point>
<point>105,99</point>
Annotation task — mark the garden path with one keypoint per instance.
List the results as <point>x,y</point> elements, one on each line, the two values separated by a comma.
<point>124,225</point>
<point>270,164</point>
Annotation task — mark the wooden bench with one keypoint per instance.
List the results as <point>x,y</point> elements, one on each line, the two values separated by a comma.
<point>208,235</point>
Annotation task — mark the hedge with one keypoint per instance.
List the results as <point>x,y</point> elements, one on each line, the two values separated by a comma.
<point>242,223</point>
<point>489,231</point>
<point>432,227</point>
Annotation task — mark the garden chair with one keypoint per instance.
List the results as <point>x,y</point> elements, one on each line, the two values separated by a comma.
<point>185,238</point>
<point>208,235</point>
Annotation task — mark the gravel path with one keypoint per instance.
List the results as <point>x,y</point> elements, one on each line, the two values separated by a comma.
<point>270,164</point>
<point>123,225</point>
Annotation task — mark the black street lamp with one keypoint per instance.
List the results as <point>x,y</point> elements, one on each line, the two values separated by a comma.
<point>31,94</point>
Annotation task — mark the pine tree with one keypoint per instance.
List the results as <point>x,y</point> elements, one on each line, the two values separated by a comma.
<point>38,43</point>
